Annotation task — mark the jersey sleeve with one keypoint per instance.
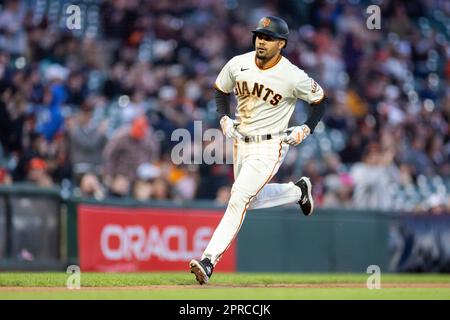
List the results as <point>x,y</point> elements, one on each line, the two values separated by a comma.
<point>307,89</point>
<point>225,80</point>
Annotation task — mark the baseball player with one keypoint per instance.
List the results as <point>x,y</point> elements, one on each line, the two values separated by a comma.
<point>266,86</point>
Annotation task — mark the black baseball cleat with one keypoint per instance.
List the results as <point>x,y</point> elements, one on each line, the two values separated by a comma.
<point>202,269</point>
<point>306,201</point>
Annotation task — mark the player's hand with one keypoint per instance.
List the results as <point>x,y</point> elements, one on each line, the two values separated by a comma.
<point>228,128</point>
<point>297,135</point>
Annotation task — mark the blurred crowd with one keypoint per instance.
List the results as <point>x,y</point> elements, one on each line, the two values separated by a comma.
<point>94,109</point>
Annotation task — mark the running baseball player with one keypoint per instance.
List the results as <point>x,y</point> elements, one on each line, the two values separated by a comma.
<point>266,86</point>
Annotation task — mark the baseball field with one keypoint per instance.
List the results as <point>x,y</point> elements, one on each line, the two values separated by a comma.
<point>235,286</point>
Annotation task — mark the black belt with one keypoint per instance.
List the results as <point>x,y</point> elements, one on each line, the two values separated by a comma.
<point>258,138</point>
<point>262,137</point>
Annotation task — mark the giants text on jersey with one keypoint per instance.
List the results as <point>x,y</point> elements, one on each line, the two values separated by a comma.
<point>266,97</point>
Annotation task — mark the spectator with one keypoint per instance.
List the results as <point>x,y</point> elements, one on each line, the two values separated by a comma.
<point>51,118</point>
<point>113,86</point>
<point>38,148</point>
<point>90,186</point>
<point>339,191</point>
<point>37,173</point>
<point>86,141</point>
<point>136,107</point>
<point>12,34</point>
<point>143,187</point>
<point>161,189</point>
<point>373,178</point>
<point>127,149</point>
<point>12,120</point>
<point>417,158</point>
<point>223,195</point>
<point>119,186</point>
<point>76,88</point>
<point>353,151</point>
<point>185,187</point>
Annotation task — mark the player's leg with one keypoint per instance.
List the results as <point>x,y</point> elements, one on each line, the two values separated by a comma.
<point>277,194</point>
<point>238,157</point>
<point>203,269</point>
<point>255,173</point>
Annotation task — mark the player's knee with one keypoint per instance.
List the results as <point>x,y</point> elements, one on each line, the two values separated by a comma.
<point>238,202</point>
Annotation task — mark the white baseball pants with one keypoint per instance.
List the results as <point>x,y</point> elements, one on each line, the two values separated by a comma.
<point>254,166</point>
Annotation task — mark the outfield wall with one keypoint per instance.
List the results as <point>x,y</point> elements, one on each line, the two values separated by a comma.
<point>31,222</point>
<point>41,230</point>
<point>328,241</point>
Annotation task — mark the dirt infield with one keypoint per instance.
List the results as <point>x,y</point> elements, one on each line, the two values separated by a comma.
<point>222,286</point>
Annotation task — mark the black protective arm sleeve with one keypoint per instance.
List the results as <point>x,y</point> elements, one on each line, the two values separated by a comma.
<point>222,104</point>
<point>316,112</point>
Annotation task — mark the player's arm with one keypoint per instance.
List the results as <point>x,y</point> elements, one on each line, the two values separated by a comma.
<point>222,103</point>
<point>311,92</point>
<point>316,112</point>
<point>223,112</point>
<point>223,87</point>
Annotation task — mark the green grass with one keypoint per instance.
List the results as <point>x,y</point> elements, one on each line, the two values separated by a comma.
<point>109,286</point>
<point>240,294</point>
<point>52,279</point>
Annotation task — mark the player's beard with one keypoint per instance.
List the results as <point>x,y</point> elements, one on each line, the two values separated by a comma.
<point>263,55</point>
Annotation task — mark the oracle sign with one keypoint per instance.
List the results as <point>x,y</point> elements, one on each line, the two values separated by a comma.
<point>135,242</point>
<point>129,239</point>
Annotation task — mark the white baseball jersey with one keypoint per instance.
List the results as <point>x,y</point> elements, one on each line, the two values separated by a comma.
<point>266,98</point>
